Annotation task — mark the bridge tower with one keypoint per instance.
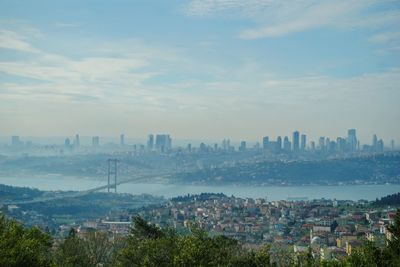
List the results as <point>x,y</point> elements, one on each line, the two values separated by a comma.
<point>112,171</point>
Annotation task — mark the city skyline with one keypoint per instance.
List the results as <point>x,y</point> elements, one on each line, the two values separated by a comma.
<point>200,69</point>
<point>300,141</point>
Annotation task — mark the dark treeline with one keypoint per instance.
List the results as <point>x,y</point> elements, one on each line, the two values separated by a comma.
<point>11,192</point>
<point>393,200</point>
<point>200,197</point>
<point>148,245</point>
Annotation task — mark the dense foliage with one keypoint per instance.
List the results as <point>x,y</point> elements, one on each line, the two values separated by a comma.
<point>148,245</point>
<point>94,250</point>
<point>18,193</point>
<point>393,199</point>
<point>20,246</point>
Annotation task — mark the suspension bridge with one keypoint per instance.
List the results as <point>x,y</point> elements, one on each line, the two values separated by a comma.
<point>112,183</point>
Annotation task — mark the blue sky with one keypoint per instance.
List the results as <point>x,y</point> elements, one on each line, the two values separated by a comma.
<point>200,69</point>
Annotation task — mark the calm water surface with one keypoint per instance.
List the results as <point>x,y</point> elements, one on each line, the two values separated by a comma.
<point>350,192</point>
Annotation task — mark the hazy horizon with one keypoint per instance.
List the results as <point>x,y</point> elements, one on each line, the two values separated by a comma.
<point>178,141</point>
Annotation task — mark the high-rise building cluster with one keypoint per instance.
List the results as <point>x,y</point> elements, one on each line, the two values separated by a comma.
<point>296,143</point>
<point>377,145</point>
<point>15,141</point>
<point>76,143</point>
<point>162,142</point>
<point>350,143</point>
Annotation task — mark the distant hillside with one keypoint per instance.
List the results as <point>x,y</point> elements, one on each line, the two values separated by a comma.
<point>388,200</point>
<point>373,169</point>
<point>18,193</point>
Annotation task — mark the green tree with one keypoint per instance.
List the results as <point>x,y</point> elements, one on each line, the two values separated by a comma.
<point>95,249</point>
<point>334,263</point>
<point>392,252</point>
<point>198,249</point>
<point>20,246</point>
<point>369,255</point>
<point>306,259</point>
<point>282,256</point>
<point>259,258</point>
<point>71,252</point>
<point>99,249</point>
<point>148,245</point>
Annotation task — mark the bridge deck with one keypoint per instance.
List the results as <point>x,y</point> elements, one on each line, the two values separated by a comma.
<point>85,192</point>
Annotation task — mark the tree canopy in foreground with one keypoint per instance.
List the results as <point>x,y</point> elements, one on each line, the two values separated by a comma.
<point>149,245</point>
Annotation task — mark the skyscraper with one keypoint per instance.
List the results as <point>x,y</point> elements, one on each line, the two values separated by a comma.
<point>95,141</point>
<point>242,146</point>
<point>331,146</point>
<point>122,140</point>
<point>296,141</point>
<point>341,144</point>
<point>321,143</point>
<point>67,143</point>
<point>163,141</point>
<point>352,139</point>
<point>169,142</point>
<point>374,143</point>
<point>279,143</point>
<point>380,146</point>
<point>265,142</point>
<point>312,146</point>
<point>77,141</point>
<point>203,147</point>
<point>15,141</point>
<point>327,143</point>
<point>303,142</point>
<point>150,142</point>
<point>286,144</point>
<point>226,144</point>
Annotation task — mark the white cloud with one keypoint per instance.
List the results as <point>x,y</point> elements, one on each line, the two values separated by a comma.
<point>386,37</point>
<point>114,78</point>
<point>12,40</point>
<point>308,17</point>
<point>115,72</point>
<point>276,18</point>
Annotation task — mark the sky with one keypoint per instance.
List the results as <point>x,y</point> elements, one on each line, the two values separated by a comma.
<point>200,70</point>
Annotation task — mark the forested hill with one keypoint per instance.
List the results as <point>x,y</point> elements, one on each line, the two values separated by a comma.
<point>373,169</point>
<point>18,193</point>
<point>393,200</point>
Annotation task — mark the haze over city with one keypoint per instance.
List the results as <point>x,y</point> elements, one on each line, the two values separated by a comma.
<point>200,133</point>
<point>203,70</point>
